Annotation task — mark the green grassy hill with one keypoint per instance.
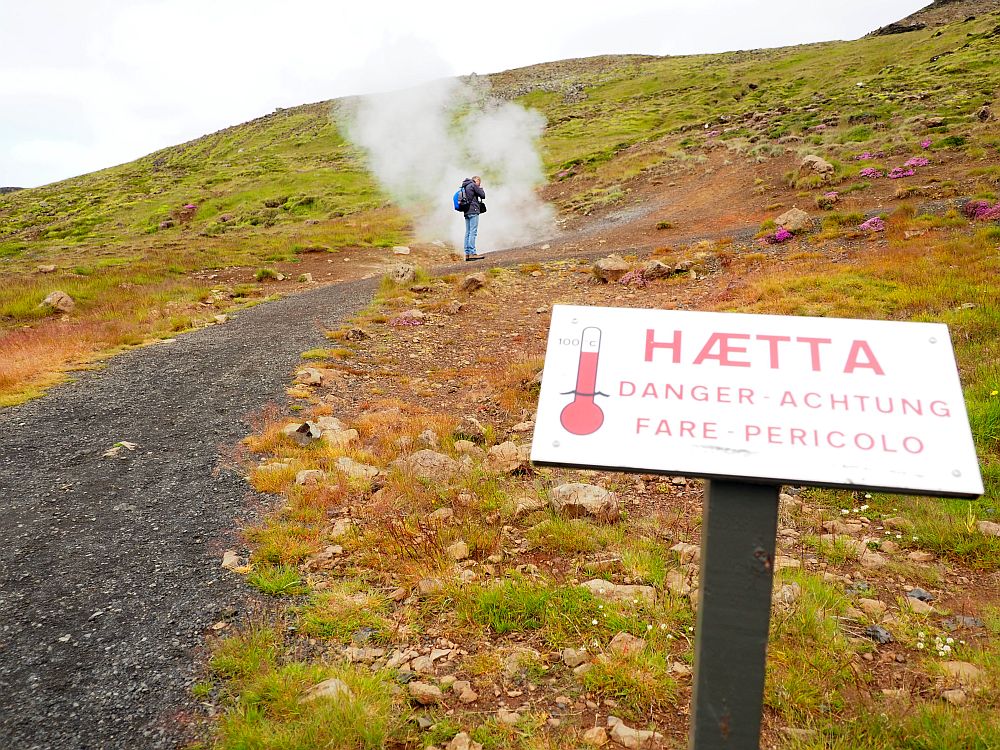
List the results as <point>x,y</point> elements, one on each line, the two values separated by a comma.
<point>125,247</point>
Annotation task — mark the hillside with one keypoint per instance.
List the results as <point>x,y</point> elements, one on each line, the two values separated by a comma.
<point>626,136</point>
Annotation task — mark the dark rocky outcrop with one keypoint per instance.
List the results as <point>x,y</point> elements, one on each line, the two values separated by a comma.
<point>898,28</point>
<point>4,190</point>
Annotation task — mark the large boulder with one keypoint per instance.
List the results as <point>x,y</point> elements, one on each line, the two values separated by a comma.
<point>403,273</point>
<point>509,458</point>
<point>794,220</point>
<point>428,464</point>
<point>611,268</point>
<point>59,302</point>
<point>472,282</point>
<point>813,164</point>
<point>578,500</point>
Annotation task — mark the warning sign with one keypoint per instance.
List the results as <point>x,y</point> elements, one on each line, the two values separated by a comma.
<point>791,400</point>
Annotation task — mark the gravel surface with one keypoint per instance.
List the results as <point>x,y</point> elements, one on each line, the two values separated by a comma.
<point>110,567</point>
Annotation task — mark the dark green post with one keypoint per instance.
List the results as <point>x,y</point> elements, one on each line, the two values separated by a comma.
<point>738,533</point>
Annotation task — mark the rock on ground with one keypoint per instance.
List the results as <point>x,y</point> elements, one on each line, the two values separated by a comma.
<point>577,500</point>
<point>611,268</point>
<point>794,220</point>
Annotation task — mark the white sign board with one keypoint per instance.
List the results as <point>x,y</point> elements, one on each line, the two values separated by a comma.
<point>791,400</point>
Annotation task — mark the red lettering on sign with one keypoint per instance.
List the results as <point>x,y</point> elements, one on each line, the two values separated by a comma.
<point>674,346</point>
<point>814,349</point>
<point>725,348</point>
<point>853,363</point>
<point>773,342</point>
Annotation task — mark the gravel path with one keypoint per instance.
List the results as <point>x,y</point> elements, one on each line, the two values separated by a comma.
<point>109,567</point>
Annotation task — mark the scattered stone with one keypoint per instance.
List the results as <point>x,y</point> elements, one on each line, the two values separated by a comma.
<point>220,319</point>
<point>967,674</point>
<point>574,657</point>
<point>427,586</point>
<point>921,556</point>
<point>961,621</point>
<point>815,164</point>
<point>46,269</point>
<point>400,250</point>
<point>625,644</point>
<point>355,470</point>
<point>303,433</point>
<point>577,500</point>
<point>525,505</point>
<point>468,448</point>
<point>306,278</point>
<point>611,268</point>
<point>984,113</point>
<point>458,551</point>
<point>472,282</point>
<point>783,561</point>
<point>688,553</point>
<point>878,634</point>
<point>514,663</point>
<point>794,220</point>
<point>402,273</point>
<point>59,302</point>
<point>595,737</point>
<point>895,694</point>
<point>471,427</point>
<point>872,607</point>
<point>428,464</point>
<point>430,439</point>
<point>620,592</point>
<point>788,594</point>
<point>505,716</point>
<point>871,559</point>
<point>231,561</point>
<point>628,737</point>
<point>441,515</point>
<point>681,669</point>
<point>988,528</point>
<point>918,606</point>
<point>465,692</point>
<point>677,583</point>
<point>333,688</point>
<point>309,376</point>
<point>654,269</point>
<point>422,665</point>
<point>424,694</point>
<point>919,593</point>
<point>462,741</point>
<point>309,477</point>
<point>509,458</point>
<point>956,697</point>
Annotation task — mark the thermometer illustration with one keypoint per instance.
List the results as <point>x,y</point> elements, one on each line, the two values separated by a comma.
<point>582,416</point>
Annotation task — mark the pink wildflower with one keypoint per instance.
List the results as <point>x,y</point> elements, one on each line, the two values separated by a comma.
<point>870,172</point>
<point>874,224</point>
<point>831,194</point>
<point>925,143</point>
<point>780,236</point>
<point>633,278</point>
<point>712,134</point>
<point>898,172</point>
<point>980,210</point>
<point>917,161</point>
<point>402,320</point>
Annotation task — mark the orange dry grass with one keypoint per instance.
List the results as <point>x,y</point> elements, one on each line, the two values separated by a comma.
<point>36,356</point>
<point>514,385</point>
<point>384,422</point>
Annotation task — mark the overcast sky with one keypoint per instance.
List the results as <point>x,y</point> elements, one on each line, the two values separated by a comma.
<point>87,85</point>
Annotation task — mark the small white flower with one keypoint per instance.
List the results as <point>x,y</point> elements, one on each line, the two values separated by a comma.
<point>899,536</point>
<point>845,512</point>
<point>690,629</point>
<point>916,538</point>
<point>946,649</point>
<point>940,653</point>
<point>920,645</point>
<point>593,622</point>
<point>649,627</point>
<point>600,606</point>
<point>949,639</point>
<point>663,626</point>
<point>864,507</point>
<point>868,496</point>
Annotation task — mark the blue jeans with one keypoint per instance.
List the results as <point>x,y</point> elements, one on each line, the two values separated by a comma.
<point>471,229</point>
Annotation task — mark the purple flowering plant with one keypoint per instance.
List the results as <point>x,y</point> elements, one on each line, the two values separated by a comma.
<point>898,172</point>
<point>917,161</point>
<point>874,224</point>
<point>780,236</point>
<point>634,278</point>
<point>926,143</point>
<point>980,210</point>
<point>870,172</point>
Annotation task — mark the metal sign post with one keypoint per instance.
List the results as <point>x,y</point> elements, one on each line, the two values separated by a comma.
<point>751,402</point>
<point>738,532</point>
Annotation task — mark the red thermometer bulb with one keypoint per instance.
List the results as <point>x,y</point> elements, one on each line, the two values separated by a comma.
<point>583,416</point>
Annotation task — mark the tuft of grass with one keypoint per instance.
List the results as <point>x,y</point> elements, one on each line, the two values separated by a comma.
<point>265,274</point>
<point>277,580</point>
<point>639,683</point>
<point>345,610</point>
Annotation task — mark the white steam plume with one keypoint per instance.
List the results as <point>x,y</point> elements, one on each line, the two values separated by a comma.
<point>422,142</point>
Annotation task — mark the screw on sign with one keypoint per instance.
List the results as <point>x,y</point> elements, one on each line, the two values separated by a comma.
<point>582,416</point>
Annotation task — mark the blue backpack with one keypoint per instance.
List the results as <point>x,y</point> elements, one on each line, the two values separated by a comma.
<point>460,200</point>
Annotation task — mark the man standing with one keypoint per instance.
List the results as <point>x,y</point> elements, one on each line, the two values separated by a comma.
<point>474,193</point>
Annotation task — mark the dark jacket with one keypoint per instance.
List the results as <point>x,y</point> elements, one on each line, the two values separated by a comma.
<point>473,194</point>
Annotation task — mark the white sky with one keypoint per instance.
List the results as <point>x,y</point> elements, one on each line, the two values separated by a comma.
<point>87,85</point>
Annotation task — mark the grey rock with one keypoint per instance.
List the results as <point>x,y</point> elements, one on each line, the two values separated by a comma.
<point>402,273</point>
<point>428,464</point>
<point>794,220</point>
<point>59,302</point>
<point>577,500</point>
<point>611,268</point>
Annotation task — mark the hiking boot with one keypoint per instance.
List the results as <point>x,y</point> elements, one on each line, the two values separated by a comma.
<point>474,256</point>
